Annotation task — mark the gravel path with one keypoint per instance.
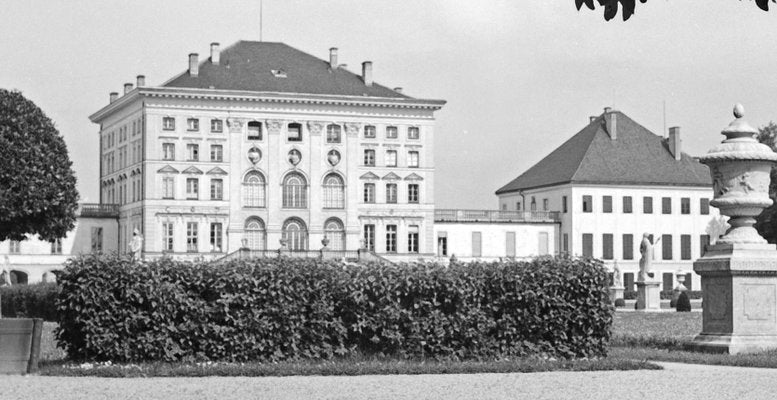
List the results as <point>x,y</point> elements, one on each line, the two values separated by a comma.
<point>688,382</point>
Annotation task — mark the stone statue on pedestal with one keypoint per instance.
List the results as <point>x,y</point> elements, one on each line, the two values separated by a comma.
<point>646,260</point>
<point>617,281</point>
<point>136,244</point>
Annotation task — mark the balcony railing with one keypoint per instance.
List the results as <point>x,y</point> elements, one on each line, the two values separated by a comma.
<point>495,216</point>
<point>98,210</point>
<point>348,255</point>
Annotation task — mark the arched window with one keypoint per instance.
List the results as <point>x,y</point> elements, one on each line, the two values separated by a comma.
<point>334,191</point>
<point>334,231</point>
<point>296,234</point>
<point>295,191</point>
<point>255,234</point>
<point>254,190</point>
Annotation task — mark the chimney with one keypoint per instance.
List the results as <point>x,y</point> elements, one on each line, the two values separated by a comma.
<point>398,89</point>
<point>675,144</point>
<point>141,81</point>
<point>127,88</point>
<point>367,73</point>
<point>194,65</point>
<point>591,118</point>
<point>215,53</point>
<point>113,96</point>
<point>611,122</point>
<point>333,58</point>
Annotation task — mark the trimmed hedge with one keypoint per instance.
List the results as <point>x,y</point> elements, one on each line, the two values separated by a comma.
<point>280,309</point>
<point>29,301</point>
<point>665,294</point>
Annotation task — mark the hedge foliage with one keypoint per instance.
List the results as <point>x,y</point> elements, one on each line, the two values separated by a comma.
<point>281,309</point>
<point>29,301</point>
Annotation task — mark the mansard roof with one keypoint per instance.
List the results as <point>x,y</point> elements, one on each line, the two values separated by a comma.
<point>258,66</point>
<point>635,157</point>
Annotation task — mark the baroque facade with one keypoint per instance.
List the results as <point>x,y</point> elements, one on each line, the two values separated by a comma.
<point>266,147</point>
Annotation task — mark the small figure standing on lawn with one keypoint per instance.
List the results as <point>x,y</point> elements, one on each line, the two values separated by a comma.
<point>136,245</point>
<point>646,261</point>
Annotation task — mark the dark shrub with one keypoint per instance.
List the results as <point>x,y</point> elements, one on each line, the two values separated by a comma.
<point>275,309</point>
<point>620,303</point>
<point>630,294</point>
<point>30,301</point>
<point>683,302</point>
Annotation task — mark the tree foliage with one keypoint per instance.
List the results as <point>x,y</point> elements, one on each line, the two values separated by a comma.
<point>37,186</point>
<point>766,223</point>
<point>627,6</point>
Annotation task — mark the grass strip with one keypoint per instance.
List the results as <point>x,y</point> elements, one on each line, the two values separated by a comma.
<point>766,359</point>
<point>337,367</point>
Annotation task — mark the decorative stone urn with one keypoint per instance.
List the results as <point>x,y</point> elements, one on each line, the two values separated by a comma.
<point>739,272</point>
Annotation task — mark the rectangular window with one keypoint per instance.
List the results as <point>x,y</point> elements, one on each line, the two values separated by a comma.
<point>15,247</point>
<point>369,157</point>
<point>412,159</point>
<point>191,237</point>
<point>607,204</point>
<point>392,132</point>
<point>413,132</point>
<point>685,205</point>
<point>627,204</point>
<point>412,239</point>
<point>192,124</point>
<point>668,279</point>
<point>628,280</point>
<point>192,188</point>
<point>666,205</point>
<point>168,123</point>
<point>510,244</point>
<point>254,130</point>
<point>216,126</point>
<point>369,131</point>
<point>333,133</point>
<point>587,204</point>
<point>685,247</point>
<point>216,152</point>
<point>628,246</point>
<point>607,246</point>
<point>192,152</point>
<point>412,193</point>
<point>216,189</point>
<point>369,192</point>
<point>666,247</point>
<point>588,245</point>
<point>167,236</point>
<point>391,158</point>
<point>704,241</point>
<point>369,237</point>
<point>565,244</point>
<point>97,239</point>
<point>294,132</point>
<point>477,244</point>
<point>688,281</point>
<point>647,205</point>
<point>168,187</point>
<point>391,193</point>
<point>168,151</point>
<point>391,238</point>
<point>56,246</point>
<point>545,205</point>
<point>216,237</point>
<point>533,204</point>
<point>564,204</point>
<point>518,206</point>
<point>704,206</point>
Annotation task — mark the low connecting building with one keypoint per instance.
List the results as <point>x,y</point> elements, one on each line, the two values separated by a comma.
<point>612,182</point>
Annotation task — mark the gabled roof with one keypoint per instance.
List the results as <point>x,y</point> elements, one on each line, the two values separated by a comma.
<point>255,66</point>
<point>636,157</point>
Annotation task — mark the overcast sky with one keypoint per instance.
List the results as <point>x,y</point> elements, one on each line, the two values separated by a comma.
<point>520,77</point>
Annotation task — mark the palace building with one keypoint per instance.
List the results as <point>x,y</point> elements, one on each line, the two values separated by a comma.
<point>612,182</point>
<point>261,145</point>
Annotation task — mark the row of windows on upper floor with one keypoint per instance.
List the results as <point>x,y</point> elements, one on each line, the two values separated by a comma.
<point>123,133</point>
<point>294,131</point>
<point>607,206</point>
<point>15,246</point>
<point>628,246</point>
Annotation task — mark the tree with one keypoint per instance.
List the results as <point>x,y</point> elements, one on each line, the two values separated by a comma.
<point>37,186</point>
<point>611,6</point>
<point>766,223</point>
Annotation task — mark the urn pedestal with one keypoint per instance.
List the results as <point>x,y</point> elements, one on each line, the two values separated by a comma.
<point>616,292</point>
<point>648,296</point>
<point>739,273</point>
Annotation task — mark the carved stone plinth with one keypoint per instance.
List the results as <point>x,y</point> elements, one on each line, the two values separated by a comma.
<point>649,296</point>
<point>616,292</point>
<point>739,282</point>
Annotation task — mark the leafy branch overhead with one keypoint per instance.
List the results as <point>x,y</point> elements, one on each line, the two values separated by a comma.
<point>627,6</point>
